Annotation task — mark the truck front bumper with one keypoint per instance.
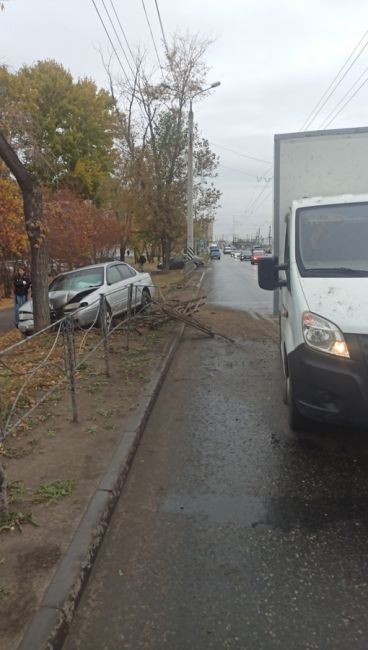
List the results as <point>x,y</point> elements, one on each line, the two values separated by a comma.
<point>330,388</point>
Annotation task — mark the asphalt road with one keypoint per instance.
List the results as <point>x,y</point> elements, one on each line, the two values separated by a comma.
<point>231,531</point>
<point>234,285</point>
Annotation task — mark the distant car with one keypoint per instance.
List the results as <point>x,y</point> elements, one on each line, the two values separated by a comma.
<point>178,262</point>
<point>235,254</point>
<point>227,250</point>
<point>215,254</point>
<point>77,293</point>
<point>245,254</point>
<point>257,255</point>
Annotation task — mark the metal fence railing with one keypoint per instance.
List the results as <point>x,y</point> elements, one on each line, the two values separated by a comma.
<point>33,369</point>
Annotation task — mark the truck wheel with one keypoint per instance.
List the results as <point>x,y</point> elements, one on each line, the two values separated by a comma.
<point>297,421</point>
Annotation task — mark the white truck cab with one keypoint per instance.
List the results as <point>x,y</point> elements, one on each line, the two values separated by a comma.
<point>320,274</point>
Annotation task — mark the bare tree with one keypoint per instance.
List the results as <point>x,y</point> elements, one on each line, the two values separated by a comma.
<point>153,140</point>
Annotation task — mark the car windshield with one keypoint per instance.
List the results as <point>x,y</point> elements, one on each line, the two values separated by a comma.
<point>332,239</point>
<point>78,280</point>
<point>259,252</point>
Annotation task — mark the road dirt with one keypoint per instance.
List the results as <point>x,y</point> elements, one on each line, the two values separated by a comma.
<point>54,466</point>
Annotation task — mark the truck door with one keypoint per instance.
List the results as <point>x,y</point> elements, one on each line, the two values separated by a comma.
<point>286,308</point>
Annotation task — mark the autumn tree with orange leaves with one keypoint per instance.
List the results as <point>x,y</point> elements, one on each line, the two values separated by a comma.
<point>78,232</point>
<point>13,241</point>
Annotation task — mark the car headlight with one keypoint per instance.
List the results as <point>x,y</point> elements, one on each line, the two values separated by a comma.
<point>323,335</point>
<point>71,306</point>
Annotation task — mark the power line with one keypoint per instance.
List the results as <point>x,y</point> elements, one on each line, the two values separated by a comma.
<point>255,199</point>
<point>321,105</point>
<point>346,103</point>
<point>162,29</point>
<point>118,37</point>
<point>122,31</point>
<point>244,155</point>
<point>150,28</point>
<point>326,120</point>
<point>264,199</point>
<point>240,171</point>
<point>111,43</point>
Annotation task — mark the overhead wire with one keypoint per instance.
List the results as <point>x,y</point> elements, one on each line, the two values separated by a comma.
<point>326,119</point>
<point>162,29</point>
<point>118,37</point>
<point>122,30</point>
<point>323,100</point>
<point>119,40</point>
<point>346,103</point>
<point>257,201</point>
<point>244,155</point>
<point>240,171</point>
<point>110,40</point>
<point>151,32</point>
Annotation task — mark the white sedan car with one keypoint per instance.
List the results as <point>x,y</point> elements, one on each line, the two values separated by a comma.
<point>78,292</point>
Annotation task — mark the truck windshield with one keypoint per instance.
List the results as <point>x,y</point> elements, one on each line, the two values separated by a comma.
<point>332,240</point>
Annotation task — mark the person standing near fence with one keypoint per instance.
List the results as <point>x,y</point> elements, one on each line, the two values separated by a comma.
<point>21,286</point>
<point>141,262</point>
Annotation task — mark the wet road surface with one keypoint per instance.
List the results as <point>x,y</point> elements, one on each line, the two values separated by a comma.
<point>232,532</point>
<point>235,285</point>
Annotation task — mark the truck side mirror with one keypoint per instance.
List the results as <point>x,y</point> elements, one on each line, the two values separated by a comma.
<point>268,273</point>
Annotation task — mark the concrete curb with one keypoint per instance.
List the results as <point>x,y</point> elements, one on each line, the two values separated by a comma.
<point>50,625</point>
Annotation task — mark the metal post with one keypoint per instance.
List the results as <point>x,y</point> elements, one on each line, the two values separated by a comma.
<point>190,238</point>
<point>190,180</point>
<point>68,331</point>
<point>129,313</point>
<point>103,325</point>
<point>2,421</point>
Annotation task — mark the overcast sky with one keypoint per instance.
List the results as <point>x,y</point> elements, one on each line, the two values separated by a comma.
<point>275,60</point>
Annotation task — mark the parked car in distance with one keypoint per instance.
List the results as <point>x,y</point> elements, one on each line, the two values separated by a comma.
<point>257,255</point>
<point>179,261</point>
<point>215,254</point>
<point>227,250</point>
<point>246,254</point>
<point>78,292</point>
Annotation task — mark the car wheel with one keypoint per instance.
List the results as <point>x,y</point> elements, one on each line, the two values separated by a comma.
<point>297,421</point>
<point>145,300</point>
<point>108,318</point>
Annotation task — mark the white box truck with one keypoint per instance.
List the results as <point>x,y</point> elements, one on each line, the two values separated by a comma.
<point>319,273</point>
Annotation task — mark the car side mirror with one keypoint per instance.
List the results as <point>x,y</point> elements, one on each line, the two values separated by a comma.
<point>268,273</point>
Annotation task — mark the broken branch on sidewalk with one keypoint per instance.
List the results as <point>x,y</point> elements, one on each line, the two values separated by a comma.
<point>162,311</point>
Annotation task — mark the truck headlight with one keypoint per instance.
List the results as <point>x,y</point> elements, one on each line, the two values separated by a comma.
<point>323,335</point>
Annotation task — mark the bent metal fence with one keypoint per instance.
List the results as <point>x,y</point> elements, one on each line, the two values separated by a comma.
<point>34,368</point>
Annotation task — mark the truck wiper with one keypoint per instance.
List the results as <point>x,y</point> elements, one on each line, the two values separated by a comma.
<point>341,270</point>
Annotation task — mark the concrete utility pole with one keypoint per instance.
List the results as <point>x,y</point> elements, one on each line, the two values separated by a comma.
<point>190,237</point>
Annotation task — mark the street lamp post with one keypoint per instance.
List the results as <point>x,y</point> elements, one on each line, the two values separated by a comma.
<point>190,238</point>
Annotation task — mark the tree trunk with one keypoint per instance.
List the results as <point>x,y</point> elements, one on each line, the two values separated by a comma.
<point>6,279</point>
<point>166,251</point>
<point>123,243</point>
<point>36,232</point>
